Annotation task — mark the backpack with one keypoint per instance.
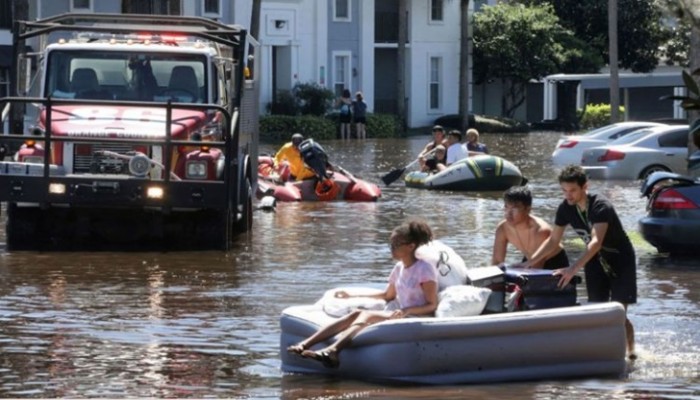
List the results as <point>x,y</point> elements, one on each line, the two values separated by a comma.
<point>345,109</point>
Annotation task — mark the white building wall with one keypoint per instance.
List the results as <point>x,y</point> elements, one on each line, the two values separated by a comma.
<point>432,39</point>
<point>298,27</point>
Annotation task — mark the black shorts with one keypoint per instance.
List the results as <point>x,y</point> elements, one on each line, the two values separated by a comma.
<point>560,260</point>
<point>345,119</point>
<point>360,120</point>
<point>620,287</point>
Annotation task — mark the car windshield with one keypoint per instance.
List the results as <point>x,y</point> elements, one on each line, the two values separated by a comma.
<point>119,75</point>
<point>631,137</point>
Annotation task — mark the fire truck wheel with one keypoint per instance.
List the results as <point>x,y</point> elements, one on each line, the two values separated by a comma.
<point>23,227</point>
<point>245,209</point>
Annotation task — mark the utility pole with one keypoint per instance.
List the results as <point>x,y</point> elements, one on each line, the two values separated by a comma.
<point>255,19</point>
<point>401,65</point>
<point>694,61</point>
<point>20,12</point>
<point>614,72</point>
<point>464,54</point>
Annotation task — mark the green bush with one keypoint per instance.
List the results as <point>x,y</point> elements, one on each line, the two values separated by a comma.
<point>597,115</point>
<point>313,98</point>
<point>382,126</point>
<point>285,104</point>
<point>279,128</point>
<point>304,99</point>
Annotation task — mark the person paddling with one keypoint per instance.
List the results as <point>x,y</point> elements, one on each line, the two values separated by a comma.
<point>438,139</point>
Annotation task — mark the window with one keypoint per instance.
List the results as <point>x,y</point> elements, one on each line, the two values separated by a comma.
<point>341,10</point>
<point>212,8</point>
<point>4,82</point>
<point>81,5</point>
<point>6,15</point>
<point>341,75</point>
<point>436,10</point>
<point>163,7</point>
<point>435,82</point>
<point>119,75</point>
<point>674,139</point>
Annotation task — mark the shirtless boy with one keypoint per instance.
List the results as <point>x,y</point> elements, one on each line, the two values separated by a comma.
<point>524,231</point>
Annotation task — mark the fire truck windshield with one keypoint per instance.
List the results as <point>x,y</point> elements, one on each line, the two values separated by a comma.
<point>120,75</point>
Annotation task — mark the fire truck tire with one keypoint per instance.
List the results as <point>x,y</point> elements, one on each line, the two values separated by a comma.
<point>23,227</point>
<point>244,222</point>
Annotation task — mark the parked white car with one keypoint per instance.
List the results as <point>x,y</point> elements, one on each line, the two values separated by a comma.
<point>570,148</point>
<point>640,153</point>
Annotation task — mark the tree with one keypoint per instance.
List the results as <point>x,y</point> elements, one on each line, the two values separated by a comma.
<point>688,11</point>
<point>676,50</point>
<point>640,33</point>
<point>515,44</point>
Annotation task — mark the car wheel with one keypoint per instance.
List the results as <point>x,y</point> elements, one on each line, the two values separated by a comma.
<point>651,169</point>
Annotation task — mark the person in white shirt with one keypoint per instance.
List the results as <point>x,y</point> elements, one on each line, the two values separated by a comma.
<point>455,150</point>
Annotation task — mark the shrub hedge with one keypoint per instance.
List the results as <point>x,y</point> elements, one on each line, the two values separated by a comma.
<point>279,128</point>
<point>597,115</point>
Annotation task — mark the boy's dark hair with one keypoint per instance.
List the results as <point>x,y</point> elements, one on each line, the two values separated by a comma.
<point>456,133</point>
<point>573,174</point>
<point>518,194</point>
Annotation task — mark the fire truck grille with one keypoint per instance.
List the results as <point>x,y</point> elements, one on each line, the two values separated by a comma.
<point>81,163</point>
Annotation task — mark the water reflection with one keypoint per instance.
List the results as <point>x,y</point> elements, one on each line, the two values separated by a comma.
<point>206,324</point>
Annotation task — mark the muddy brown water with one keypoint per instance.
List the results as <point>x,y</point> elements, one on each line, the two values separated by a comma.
<point>206,324</point>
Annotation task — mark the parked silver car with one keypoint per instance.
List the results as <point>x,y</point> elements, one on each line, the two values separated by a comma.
<point>639,154</point>
<point>570,148</point>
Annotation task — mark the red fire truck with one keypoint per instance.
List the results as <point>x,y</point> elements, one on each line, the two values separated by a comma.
<point>130,131</point>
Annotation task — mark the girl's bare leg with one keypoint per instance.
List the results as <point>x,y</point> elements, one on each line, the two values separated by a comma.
<point>326,332</point>
<point>363,319</point>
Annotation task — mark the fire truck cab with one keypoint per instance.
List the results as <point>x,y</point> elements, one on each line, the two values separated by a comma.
<point>130,133</point>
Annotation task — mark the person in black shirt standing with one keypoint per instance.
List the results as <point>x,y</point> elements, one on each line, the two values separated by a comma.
<point>609,259</point>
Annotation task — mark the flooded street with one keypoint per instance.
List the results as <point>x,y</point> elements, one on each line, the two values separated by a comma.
<point>195,325</point>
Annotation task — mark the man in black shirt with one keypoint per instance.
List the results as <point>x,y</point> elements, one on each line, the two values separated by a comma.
<point>609,260</point>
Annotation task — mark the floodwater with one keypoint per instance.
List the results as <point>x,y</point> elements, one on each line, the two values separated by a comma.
<point>196,325</point>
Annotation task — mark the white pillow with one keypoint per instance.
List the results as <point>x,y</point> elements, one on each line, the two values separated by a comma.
<point>339,307</point>
<point>451,267</point>
<point>462,301</point>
